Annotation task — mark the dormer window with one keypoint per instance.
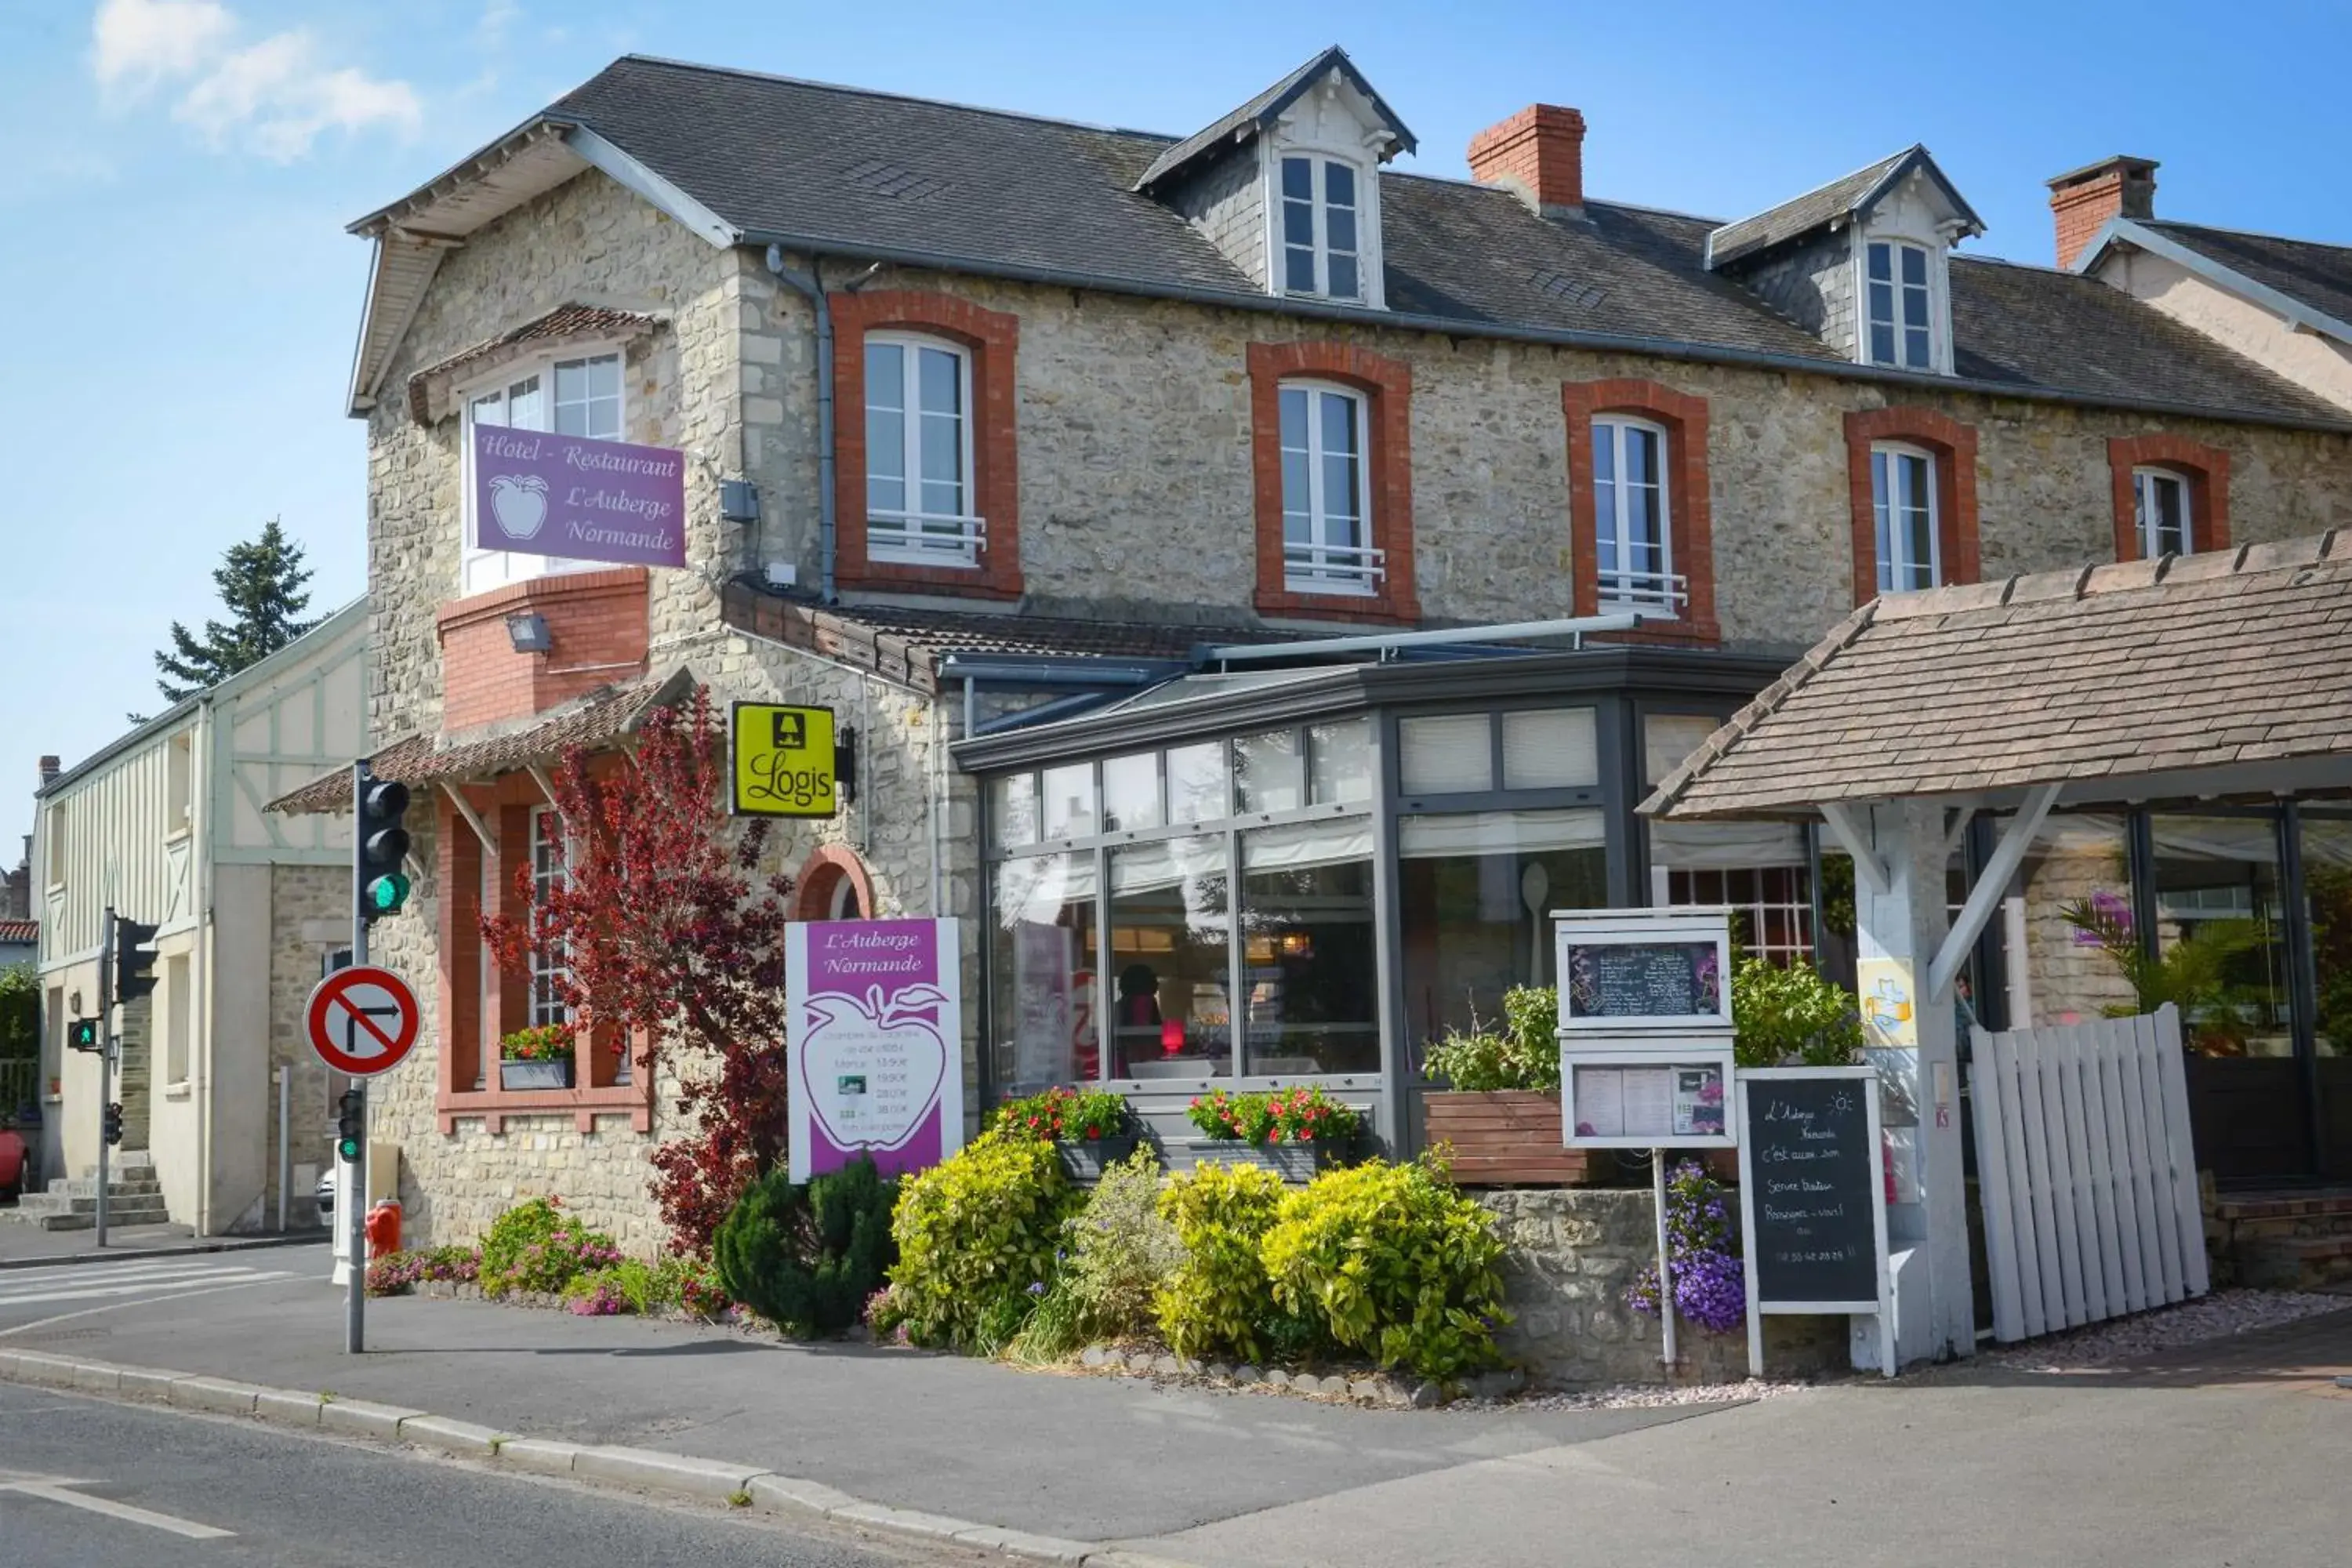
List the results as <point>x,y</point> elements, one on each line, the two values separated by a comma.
<point>1901,304</point>
<point>1320,249</point>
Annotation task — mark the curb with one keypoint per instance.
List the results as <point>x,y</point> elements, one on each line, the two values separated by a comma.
<point>645,1469</point>
<point>177,1249</point>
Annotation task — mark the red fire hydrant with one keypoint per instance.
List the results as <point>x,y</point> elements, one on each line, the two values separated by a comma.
<point>383,1228</point>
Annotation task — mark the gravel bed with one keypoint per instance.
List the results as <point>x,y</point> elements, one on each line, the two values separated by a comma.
<point>2221,1315</point>
<point>1640,1397</point>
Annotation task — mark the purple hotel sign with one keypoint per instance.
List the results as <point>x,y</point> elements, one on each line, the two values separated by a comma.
<point>876,1047</point>
<point>545,494</point>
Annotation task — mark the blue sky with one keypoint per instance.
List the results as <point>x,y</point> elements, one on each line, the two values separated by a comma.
<point>178,299</point>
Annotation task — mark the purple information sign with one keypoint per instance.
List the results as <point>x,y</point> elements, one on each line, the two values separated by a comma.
<point>546,494</point>
<point>877,1044</point>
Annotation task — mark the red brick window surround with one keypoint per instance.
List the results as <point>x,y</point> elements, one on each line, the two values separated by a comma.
<point>2205,471</point>
<point>478,1002</point>
<point>1953,446</point>
<point>989,339</point>
<point>1386,386</point>
<point>833,885</point>
<point>1690,529</point>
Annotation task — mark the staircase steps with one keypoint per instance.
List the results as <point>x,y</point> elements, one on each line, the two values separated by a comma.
<point>2288,1241</point>
<point>133,1196</point>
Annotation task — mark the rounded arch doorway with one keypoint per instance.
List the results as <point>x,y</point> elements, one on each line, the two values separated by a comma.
<point>833,885</point>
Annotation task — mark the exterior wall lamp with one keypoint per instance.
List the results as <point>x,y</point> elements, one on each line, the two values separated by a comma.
<point>527,632</point>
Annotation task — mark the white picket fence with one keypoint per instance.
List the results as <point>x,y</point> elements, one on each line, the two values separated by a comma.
<point>2086,1173</point>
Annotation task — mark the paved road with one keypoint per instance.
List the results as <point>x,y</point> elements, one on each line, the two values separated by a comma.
<point>69,1293</point>
<point>153,1485</point>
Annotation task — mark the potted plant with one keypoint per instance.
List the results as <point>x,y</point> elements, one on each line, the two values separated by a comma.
<point>537,1057</point>
<point>1290,1132</point>
<point>1088,1127</point>
<point>1499,1109</point>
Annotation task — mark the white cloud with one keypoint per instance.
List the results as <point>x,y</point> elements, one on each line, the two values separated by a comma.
<point>140,43</point>
<point>274,97</point>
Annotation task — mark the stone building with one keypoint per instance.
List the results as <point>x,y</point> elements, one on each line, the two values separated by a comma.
<point>1054,459</point>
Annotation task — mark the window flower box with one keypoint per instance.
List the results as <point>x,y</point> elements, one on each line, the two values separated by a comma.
<point>1291,1161</point>
<point>1088,1127</point>
<point>514,1075</point>
<point>540,1058</point>
<point>1085,1160</point>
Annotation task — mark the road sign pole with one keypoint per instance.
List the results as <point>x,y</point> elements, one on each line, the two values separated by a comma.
<point>353,1195</point>
<point>105,1052</point>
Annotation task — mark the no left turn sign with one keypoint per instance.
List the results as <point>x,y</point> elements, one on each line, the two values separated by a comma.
<point>362,1021</point>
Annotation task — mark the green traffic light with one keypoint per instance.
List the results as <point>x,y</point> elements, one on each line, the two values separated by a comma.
<point>347,1149</point>
<point>387,893</point>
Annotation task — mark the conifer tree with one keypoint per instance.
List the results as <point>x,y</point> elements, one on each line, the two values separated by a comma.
<point>261,586</point>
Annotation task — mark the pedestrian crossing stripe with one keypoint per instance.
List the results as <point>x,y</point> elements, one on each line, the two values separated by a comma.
<point>95,1284</point>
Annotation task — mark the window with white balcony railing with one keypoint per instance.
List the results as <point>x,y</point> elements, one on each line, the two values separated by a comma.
<point>1327,492</point>
<point>920,507</point>
<point>1633,545</point>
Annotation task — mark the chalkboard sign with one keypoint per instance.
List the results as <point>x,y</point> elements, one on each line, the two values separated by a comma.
<point>1810,1193</point>
<point>1643,980</point>
<point>1647,970</point>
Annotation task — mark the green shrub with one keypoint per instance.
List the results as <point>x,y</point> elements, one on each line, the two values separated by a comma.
<point>534,1247</point>
<point>1394,1261</point>
<point>1065,1115</point>
<point>1523,1052</point>
<point>806,1258</point>
<point>975,1232</point>
<point>1219,1296</point>
<point>1122,1251</point>
<point>1792,1015</point>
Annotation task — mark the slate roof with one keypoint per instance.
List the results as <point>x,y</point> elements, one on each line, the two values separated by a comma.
<point>861,174</point>
<point>2102,675</point>
<point>1261,110</point>
<point>603,716</point>
<point>2319,276</point>
<point>906,645</point>
<point>1843,198</point>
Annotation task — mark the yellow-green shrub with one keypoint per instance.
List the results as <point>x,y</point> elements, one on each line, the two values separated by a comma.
<point>1219,1296</point>
<point>1394,1261</point>
<point>974,1233</point>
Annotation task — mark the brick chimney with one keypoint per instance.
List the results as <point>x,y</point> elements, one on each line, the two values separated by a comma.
<point>2083,200</point>
<point>49,771</point>
<point>1538,153</point>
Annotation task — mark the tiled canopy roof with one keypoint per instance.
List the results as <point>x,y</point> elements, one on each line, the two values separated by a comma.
<point>566,323</point>
<point>2117,680</point>
<point>593,720</point>
<point>1843,198</point>
<point>1260,111</point>
<point>857,173</point>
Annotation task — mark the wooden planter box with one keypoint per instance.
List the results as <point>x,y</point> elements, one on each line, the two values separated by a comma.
<point>515,1075</point>
<point>1508,1138</point>
<point>1085,1159</point>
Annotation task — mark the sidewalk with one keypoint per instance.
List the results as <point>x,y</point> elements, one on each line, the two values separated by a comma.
<point>28,1246</point>
<point>2226,1452</point>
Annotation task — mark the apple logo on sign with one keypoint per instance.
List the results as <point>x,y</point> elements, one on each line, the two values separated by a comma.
<point>521,502</point>
<point>870,1068</point>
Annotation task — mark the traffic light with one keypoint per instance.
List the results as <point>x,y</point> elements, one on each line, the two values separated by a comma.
<point>383,845</point>
<point>81,1035</point>
<point>134,960</point>
<point>351,1125</point>
<point>110,1123</point>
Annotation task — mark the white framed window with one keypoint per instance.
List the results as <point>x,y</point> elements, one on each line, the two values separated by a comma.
<point>2160,508</point>
<point>1322,227</point>
<point>919,505</point>
<point>1634,549</point>
<point>1326,491</point>
<point>576,394</point>
<point>547,960</point>
<point>1904,511</point>
<point>1899,303</point>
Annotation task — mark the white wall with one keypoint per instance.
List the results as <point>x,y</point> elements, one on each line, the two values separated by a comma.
<point>2319,364</point>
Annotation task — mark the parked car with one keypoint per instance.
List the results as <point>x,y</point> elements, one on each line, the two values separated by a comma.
<point>326,1196</point>
<point>12,1164</point>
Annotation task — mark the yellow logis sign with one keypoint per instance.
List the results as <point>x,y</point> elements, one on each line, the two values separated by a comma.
<point>783,761</point>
